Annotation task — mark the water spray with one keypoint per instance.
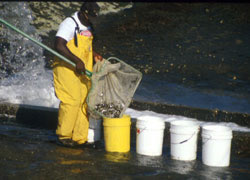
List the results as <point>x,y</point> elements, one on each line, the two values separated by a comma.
<point>88,73</point>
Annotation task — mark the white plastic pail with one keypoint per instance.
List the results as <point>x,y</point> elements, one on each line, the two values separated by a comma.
<point>94,133</point>
<point>216,145</point>
<point>183,139</point>
<point>149,135</point>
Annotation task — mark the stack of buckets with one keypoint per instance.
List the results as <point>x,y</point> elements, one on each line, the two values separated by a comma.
<point>216,139</point>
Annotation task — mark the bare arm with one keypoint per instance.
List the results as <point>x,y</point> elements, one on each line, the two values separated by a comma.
<point>60,46</point>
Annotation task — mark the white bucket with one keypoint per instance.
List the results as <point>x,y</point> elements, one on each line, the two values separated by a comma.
<point>149,135</point>
<point>94,133</point>
<point>184,139</point>
<point>216,145</point>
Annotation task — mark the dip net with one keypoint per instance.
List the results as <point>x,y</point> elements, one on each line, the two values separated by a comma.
<point>113,85</point>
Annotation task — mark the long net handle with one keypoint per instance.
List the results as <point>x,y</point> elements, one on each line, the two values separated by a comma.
<point>88,73</point>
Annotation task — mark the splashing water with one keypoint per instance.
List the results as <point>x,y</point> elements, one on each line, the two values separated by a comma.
<point>24,79</point>
<point>23,76</point>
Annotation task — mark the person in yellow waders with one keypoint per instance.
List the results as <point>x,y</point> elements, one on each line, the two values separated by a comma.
<point>74,41</point>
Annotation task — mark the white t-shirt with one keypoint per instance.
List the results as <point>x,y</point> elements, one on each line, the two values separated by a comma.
<point>67,27</point>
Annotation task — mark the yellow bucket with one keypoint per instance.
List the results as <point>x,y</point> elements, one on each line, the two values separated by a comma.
<point>117,134</point>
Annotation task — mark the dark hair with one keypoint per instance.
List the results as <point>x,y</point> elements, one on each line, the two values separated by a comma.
<point>90,8</point>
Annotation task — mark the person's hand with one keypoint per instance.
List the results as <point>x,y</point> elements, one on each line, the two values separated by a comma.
<point>80,67</point>
<point>97,57</point>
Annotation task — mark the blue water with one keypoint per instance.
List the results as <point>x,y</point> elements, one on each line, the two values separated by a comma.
<point>159,90</point>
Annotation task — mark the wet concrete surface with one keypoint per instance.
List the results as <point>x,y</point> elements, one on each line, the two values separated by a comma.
<point>31,152</point>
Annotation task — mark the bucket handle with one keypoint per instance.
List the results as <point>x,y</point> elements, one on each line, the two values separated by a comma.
<point>185,140</point>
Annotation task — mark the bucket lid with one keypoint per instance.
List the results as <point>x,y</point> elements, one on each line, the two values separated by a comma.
<point>150,121</point>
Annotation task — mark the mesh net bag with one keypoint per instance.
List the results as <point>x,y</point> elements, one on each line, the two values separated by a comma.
<point>113,85</point>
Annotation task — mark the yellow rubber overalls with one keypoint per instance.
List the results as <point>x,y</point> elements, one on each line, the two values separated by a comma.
<point>72,90</point>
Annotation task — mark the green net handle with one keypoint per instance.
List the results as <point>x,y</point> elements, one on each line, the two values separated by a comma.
<point>88,73</point>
